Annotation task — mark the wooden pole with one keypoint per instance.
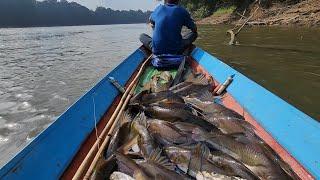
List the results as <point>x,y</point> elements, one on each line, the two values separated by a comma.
<point>111,123</point>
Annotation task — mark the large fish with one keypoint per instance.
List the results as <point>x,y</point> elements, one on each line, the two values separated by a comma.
<point>191,161</point>
<point>250,155</point>
<point>120,176</point>
<point>231,166</point>
<point>146,98</point>
<point>174,112</point>
<point>145,141</point>
<point>178,78</point>
<point>154,167</point>
<point>104,168</point>
<point>121,137</point>
<point>196,159</point>
<point>227,120</point>
<point>209,107</point>
<point>186,88</point>
<point>167,134</point>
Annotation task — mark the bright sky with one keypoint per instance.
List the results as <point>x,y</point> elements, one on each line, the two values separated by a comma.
<point>119,4</point>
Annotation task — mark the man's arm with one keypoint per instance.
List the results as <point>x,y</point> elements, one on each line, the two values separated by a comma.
<point>152,23</point>
<point>189,23</point>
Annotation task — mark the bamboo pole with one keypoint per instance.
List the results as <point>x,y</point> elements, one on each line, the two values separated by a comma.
<point>111,123</point>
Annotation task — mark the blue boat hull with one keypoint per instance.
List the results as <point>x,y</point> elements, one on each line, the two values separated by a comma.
<point>51,153</point>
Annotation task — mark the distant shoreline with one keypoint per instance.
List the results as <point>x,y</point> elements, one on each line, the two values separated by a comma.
<point>69,25</point>
<point>52,13</point>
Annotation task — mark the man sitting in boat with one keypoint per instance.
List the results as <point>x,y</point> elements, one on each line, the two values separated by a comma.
<point>167,43</point>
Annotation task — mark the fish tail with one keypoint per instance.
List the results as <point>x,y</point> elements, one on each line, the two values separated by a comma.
<point>157,158</point>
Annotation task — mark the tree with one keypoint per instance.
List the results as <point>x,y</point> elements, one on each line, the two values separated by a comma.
<point>22,13</point>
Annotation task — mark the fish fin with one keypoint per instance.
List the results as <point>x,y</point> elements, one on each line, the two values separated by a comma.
<point>197,150</point>
<point>247,125</point>
<point>156,158</point>
<point>195,162</point>
<point>188,74</point>
<point>124,118</point>
<point>195,110</point>
<point>137,97</point>
<point>128,144</point>
<point>141,119</point>
<point>200,79</point>
<point>205,150</point>
<point>198,135</point>
<point>177,79</point>
<point>207,96</point>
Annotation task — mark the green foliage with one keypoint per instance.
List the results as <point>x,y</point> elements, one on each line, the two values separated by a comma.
<point>202,12</point>
<point>199,8</point>
<point>204,8</point>
<point>225,10</point>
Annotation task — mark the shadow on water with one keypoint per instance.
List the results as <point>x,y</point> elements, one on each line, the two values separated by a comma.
<point>285,60</point>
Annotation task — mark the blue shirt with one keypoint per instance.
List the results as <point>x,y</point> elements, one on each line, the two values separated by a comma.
<point>169,20</point>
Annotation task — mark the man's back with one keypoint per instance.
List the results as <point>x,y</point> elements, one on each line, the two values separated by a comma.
<point>169,20</point>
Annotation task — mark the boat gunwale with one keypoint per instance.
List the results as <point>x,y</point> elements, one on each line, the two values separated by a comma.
<point>228,101</point>
<point>18,162</point>
<point>272,126</point>
<point>92,138</point>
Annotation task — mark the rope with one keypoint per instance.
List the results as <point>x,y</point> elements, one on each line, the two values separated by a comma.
<point>95,122</point>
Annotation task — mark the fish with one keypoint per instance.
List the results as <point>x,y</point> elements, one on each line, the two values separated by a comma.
<point>131,168</point>
<point>177,79</point>
<point>197,78</point>
<point>244,138</point>
<point>227,120</point>
<point>212,176</point>
<point>154,167</point>
<point>145,141</point>
<point>104,168</point>
<point>211,108</point>
<point>166,133</point>
<point>188,127</point>
<point>180,132</point>
<point>209,162</point>
<point>203,97</point>
<point>174,112</point>
<point>120,176</point>
<point>229,125</point>
<point>122,136</point>
<point>146,98</point>
<point>188,88</point>
<point>250,155</point>
<point>191,161</point>
<point>231,166</point>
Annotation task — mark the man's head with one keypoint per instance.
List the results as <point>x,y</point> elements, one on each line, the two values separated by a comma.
<point>172,1</point>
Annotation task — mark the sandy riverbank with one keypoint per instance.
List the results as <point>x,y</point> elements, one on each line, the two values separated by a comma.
<point>306,13</point>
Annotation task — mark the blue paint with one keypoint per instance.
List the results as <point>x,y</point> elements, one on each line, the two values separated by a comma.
<point>48,155</point>
<point>298,133</point>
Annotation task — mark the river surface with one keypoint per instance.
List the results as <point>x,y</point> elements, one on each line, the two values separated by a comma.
<point>45,70</point>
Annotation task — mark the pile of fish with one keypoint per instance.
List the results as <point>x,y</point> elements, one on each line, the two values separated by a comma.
<point>174,129</point>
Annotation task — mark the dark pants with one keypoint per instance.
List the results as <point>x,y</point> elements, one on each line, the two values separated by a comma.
<point>187,40</point>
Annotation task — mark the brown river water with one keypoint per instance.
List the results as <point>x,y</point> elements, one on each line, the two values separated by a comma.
<point>285,60</point>
<point>45,70</point>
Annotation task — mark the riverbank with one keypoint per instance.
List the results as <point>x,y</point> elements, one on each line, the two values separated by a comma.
<point>306,13</point>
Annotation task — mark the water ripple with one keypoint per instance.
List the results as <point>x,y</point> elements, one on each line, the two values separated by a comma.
<point>44,70</point>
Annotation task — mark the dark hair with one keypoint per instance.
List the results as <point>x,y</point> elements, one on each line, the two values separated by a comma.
<point>172,1</point>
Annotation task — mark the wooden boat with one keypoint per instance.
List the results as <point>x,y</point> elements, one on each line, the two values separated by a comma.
<point>60,149</point>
